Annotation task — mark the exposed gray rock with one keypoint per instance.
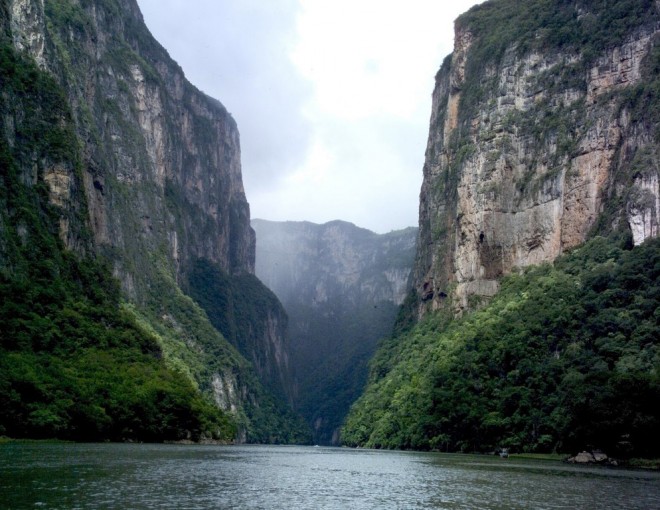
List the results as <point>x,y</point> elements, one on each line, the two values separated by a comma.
<point>502,190</point>
<point>582,458</point>
<point>599,456</point>
<point>595,457</point>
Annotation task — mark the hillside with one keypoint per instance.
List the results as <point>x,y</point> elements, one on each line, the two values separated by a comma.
<point>544,136</point>
<point>564,358</point>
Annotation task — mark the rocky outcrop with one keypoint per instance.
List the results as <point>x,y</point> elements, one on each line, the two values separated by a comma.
<point>535,144</point>
<point>595,457</point>
<point>341,287</point>
<point>162,159</point>
<point>159,185</point>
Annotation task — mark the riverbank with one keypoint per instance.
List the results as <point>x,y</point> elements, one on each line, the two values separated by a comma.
<point>637,463</point>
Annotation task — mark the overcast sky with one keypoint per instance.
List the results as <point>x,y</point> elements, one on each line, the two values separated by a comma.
<point>332,97</point>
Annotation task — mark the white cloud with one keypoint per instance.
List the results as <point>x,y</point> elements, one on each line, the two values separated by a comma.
<point>371,65</point>
<point>332,97</point>
<point>364,56</point>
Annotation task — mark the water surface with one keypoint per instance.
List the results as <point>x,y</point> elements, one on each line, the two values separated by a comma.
<point>133,476</point>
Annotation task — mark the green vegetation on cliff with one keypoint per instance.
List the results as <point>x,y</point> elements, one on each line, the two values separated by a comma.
<point>583,27</point>
<point>333,363</point>
<point>236,305</point>
<point>74,363</point>
<point>565,357</point>
<point>136,211</point>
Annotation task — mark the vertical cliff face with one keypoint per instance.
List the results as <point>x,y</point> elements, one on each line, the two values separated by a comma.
<point>302,261</point>
<point>341,286</point>
<point>159,188</point>
<point>543,131</point>
<point>162,159</point>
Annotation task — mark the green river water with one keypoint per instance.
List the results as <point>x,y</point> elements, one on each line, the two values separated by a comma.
<point>136,476</point>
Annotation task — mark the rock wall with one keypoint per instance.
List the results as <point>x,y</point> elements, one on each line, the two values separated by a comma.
<point>535,146</point>
<point>162,159</point>
<point>161,172</point>
<point>309,262</point>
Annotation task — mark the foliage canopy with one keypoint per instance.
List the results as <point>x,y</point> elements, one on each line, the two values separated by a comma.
<point>565,357</point>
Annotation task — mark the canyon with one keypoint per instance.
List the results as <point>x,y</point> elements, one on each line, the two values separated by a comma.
<point>126,241</point>
<point>341,287</point>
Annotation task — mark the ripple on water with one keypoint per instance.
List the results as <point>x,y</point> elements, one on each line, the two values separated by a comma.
<point>268,477</point>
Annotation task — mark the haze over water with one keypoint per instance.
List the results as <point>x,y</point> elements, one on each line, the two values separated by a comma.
<point>272,477</point>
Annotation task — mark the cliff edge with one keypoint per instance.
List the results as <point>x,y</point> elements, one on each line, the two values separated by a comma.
<point>543,132</point>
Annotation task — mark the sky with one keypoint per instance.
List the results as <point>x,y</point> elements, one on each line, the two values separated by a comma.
<point>332,97</point>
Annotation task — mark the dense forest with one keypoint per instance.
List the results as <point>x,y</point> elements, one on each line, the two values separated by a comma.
<point>565,357</point>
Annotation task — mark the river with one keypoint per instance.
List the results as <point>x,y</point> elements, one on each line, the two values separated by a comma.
<point>137,476</point>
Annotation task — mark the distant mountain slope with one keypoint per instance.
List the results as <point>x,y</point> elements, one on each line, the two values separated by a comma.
<point>341,286</point>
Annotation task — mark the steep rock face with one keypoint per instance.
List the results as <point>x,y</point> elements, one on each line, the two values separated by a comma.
<point>160,155</point>
<point>161,177</point>
<point>536,141</point>
<point>306,261</point>
<point>341,287</point>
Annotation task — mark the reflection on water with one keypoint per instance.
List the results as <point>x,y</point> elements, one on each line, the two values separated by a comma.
<point>272,477</point>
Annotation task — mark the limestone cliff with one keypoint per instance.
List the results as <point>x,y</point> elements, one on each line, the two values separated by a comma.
<point>307,261</point>
<point>544,130</point>
<point>341,286</point>
<point>162,186</point>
